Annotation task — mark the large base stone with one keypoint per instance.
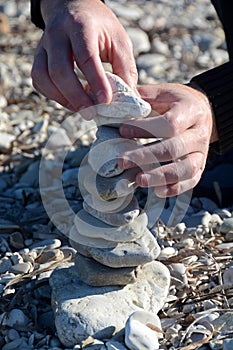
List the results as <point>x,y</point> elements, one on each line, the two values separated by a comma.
<point>82,310</point>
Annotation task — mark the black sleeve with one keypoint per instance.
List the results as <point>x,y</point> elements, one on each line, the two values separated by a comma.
<point>218,86</point>
<point>217,83</point>
<point>36,16</point>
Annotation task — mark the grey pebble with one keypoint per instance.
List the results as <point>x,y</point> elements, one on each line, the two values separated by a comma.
<point>15,317</point>
<point>46,244</point>
<point>5,265</point>
<point>227,225</point>
<point>13,334</point>
<point>21,268</point>
<point>13,345</point>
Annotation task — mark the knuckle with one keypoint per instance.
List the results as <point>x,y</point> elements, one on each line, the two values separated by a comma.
<point>174,124</point>
<point>194,165</point>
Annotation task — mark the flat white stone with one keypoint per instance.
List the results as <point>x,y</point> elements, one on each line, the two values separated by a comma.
<point>140,333</point>
<point>89,226</point>
<point>118,218</point>
<point>76,239</point>
<point>103,155</point>
<point>82,310</point>
<point>142,251</point>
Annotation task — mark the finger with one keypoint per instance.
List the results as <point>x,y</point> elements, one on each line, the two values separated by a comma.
<point>158,96</point>
<point>123,62</point>
<point>94,73</point>
<point>172,123</point>
<point>172,173</point>
<point>60,67</point>
<point>166,150</point>
<point>87,56</point>
<point>43,83</point>
<point>179,187</point>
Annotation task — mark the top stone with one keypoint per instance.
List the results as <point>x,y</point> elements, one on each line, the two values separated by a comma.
<point>125,104</point>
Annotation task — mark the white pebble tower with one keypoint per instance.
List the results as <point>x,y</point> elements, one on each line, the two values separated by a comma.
<point>116,251</point>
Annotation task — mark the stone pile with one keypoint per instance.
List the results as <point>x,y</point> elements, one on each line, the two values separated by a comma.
<point>115,273</point>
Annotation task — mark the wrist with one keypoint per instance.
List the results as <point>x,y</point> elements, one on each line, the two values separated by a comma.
<point>214,133</point>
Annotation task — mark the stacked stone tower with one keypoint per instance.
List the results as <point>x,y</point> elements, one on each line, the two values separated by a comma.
<point>110,233</point>
<point>115,273</point>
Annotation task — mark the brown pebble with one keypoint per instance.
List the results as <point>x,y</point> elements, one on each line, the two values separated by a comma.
<point>4,24</point>
<point>50,255</point>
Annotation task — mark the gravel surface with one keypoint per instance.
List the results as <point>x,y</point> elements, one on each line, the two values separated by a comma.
<point>172,42</point>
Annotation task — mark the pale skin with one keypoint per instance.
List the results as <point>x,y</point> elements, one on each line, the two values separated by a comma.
<point>184,121</point>
<point>88,33</point>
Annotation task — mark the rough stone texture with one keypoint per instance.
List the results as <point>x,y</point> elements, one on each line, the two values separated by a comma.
<point>104,155</point>
<point>119,218</point>
<point>82,310</point>
<point>124,106</point>
<point>108,188</point>
<point>144,250</point>
<point>89,226</point>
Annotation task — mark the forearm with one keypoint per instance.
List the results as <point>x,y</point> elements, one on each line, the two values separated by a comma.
<point>217,84</point>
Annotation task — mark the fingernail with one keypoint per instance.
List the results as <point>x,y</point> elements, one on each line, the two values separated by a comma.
<point>101,96</point>
<point>143,180</point>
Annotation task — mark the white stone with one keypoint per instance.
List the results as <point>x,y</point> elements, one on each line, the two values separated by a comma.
<point>108,187</point>
<point>89,226</point>
<point>117,84</point>
<point>139,331</point>
<point>103,155</point>
<point>139,39</point>
<point>124,106</point>
<point>113,345</point>
<point>119,218</point>
<point>82,311</point>
<point>143,250</point>
<point>75,238</point>
<point>6,141</point>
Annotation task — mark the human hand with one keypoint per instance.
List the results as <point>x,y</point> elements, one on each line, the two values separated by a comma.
<point>184,121</point>
<point>88,33</point>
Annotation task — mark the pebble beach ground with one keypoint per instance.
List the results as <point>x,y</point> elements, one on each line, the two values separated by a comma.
<point>172,42</point>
